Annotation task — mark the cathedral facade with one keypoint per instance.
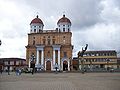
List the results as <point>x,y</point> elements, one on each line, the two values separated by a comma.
<point>50,48</point>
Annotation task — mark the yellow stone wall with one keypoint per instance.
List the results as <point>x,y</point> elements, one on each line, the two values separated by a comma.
<point>60,38</point>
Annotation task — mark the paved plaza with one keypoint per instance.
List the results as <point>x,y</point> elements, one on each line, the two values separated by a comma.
<point>60,81</point>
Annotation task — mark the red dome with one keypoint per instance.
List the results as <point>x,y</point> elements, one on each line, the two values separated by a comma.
<point>64,19</point>
<point>36,20</point>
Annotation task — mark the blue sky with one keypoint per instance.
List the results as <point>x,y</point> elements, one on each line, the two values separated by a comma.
<point>95,22</point>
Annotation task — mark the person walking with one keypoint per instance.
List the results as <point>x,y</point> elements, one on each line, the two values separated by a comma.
<point>1,70</point>
<point>8,69</point>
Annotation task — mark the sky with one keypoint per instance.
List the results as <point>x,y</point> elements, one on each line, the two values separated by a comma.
<point>94,22</point>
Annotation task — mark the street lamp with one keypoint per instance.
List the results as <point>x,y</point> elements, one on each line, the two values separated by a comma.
<point>108,64</point>
<point>0,42</point>
<point>32,63</point>
<point>80,55</point>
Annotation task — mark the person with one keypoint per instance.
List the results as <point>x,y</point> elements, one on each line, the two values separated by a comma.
<point>56,67</point>
<point>17,71</point>
<point>8,68</point>
<point>20,71</point>
<point>33,70</point>
<point>1,70</point>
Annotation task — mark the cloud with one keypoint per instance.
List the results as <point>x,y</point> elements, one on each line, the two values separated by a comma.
<point>110,12</point>
<point>13,29</point>
<point>98,37</point>
<point>95,22</point>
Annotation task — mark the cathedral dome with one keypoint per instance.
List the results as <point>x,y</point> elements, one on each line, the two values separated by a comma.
<point>64,20</point>
<point>36,21</point>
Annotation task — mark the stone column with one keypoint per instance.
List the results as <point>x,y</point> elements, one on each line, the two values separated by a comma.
<point>53,57</point>
<point>45,64</point>
<point>68,64</point>
<point>56,47</point>
<point>42,57</point>
<point>29,62</point>
<point>59,58</point>
<point>61,68</point>
<point>37,62</point>
<point>40,48</point>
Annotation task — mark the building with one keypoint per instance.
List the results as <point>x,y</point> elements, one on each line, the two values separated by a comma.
<point>118,62</point>
<point>12,63</point>
<point>97,59</point>
<point>50,48</point>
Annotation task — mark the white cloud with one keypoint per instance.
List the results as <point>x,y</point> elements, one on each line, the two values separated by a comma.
<point>110,12</point>
<point>95,22</point>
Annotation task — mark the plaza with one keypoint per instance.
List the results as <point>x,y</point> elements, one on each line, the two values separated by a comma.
<point>60,81</point>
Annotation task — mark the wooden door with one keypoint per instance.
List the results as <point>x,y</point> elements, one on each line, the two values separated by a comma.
<point>48,66</point>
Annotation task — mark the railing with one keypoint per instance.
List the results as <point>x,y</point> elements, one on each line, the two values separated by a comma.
<point>45,31</point>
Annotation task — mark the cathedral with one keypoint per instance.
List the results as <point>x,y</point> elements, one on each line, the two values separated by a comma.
<point>50,48</point>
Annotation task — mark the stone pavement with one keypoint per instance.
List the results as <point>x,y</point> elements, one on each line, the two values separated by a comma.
<point>60,81</point>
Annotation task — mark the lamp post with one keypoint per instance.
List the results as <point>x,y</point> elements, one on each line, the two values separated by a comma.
<point>32,63</point>
<point>0,42</point>
<point>108,64</point>
<point>80,55</point>
<point>2,65</point>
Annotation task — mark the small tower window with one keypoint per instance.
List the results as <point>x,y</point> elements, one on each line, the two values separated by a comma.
<point>34,30</point>
<point>43,41</point>
<point>63,29</point>
<point>34,26</point>
<point>65,54</point>
<point>39,30</point>
<point>68,30</point>
<point>48,36</point>
<point>53,42</point>
<point>48,41</point>
<point>59,30</point>
<point>33,42</point>
<point>63,25</point>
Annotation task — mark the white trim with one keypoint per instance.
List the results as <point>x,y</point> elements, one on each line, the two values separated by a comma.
<point>42,58</point>
<point>59,58</point>
<point>53,57</point>
<point>29,63</point>
<point>37,62</point>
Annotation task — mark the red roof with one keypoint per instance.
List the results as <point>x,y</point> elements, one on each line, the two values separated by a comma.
<point>36,20</point>
<point>64,19</point>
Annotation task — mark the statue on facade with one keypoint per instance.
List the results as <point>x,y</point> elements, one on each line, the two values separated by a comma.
<point>83,51</point>
<point>32,63</point>
<point>80,54</point>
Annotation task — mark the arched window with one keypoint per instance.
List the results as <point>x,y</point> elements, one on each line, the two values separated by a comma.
<point>68,30</point>
<point>63,29</point>
<point>34,30</point>
<point>48,41</point>
<point>44,41</point>
<point>33,42</point>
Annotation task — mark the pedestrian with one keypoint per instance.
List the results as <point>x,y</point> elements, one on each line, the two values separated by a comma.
<point>32,70</point>
<point>17,72</point>
<point>8,69</point>
<point>1,70</point>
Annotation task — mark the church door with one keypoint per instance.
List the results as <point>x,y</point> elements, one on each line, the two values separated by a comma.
<point>65,66</point>
<point>48,66</point>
